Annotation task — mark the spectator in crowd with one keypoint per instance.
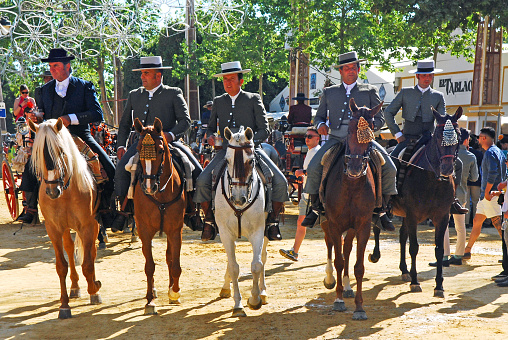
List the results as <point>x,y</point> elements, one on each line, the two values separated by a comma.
<point>473,187</point>
<point>22,102</point>
<point>502,278</point>
<point>300,113</point>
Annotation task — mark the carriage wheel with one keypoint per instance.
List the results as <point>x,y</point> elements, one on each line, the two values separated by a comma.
<point>11,195</point>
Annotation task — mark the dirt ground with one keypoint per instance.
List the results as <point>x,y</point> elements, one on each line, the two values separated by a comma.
<point>299,305</point>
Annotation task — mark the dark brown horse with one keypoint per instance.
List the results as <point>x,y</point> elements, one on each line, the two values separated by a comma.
<point>350,199</point>
<point>68,199</point>
<point>159,206</point>
<point>427,192</point>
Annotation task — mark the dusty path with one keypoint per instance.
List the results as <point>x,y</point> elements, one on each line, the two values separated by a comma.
<point>299,305</point>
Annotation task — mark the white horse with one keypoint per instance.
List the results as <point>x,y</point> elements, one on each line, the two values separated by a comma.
<point>240,211</point>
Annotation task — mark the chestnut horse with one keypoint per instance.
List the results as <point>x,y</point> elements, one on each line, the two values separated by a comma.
<point>159,206</point>
<point>428,191</point>
<point>350,199</point>
<point>68,199</point>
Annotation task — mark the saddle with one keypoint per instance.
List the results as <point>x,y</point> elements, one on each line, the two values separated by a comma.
<point>92,160</point>
<point>407,156</point>
<point>336,153</point>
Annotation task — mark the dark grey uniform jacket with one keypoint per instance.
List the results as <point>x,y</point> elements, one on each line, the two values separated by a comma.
<point>248,111</point>
<point>167,104</point>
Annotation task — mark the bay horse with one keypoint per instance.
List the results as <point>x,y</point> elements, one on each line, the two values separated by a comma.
<point>350,198</point>
<point>68,200</point>
<point>240,211</point>
<point>159,206</point>
<point>428,191</point>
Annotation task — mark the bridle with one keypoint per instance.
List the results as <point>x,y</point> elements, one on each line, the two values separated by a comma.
<point>249,184</point>
<point>158,174</point>
<point>364,158</point>
<point>61,180</point>
<point>441,157</point>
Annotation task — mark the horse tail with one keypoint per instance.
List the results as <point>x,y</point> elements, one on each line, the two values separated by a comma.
<point>79,250</point>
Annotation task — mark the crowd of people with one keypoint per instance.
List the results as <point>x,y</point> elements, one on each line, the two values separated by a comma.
<point>480,169</point>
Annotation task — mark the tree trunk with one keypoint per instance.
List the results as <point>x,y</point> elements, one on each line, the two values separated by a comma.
<point>108,115</point>
<point>261,86</point>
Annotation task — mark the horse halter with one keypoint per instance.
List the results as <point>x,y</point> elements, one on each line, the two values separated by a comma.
<point>50,166</point>
<point>364,135</point>
<point>449,139</point>
<point>148,153</point>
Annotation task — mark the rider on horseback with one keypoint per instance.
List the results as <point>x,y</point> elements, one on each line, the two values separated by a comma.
<point>417,103</point>
<point>334,105</point>
<point>233,109</point>
<point>152,100</point>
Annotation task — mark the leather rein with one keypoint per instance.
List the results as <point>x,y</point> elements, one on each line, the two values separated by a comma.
<point>239,212</point>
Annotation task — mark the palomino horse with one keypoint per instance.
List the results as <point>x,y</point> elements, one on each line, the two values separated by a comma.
<point>239,210</point>
<point>68,199</point>
<point>427,192</point>
<point>159,206</point>
<point>350,199</point>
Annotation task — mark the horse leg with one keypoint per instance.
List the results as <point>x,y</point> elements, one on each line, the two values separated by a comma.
<point>146,241</point>
<point>338,304</point>
<point>61,269</point>
<point>441,227</point>
<point>257,240</point>
<point>173,261</point>
<point>376,254</point>
<point>402,241</point>
<point>348,246</point>
<point>262,283</point>
<point>411,226</point>
<point>88,266</point>
<point>329,280</point>
<point>225,292</point>
<point>68,244</point>
<point>362,237</point>
<point>234,271</point>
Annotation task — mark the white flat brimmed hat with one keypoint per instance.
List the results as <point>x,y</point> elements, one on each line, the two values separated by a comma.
<point>230,68</point>
<point>151,63</point>
<point>425,67</point>
<point>348,58</point>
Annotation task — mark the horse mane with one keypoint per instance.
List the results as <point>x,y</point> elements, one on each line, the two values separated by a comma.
<point>64,153</point>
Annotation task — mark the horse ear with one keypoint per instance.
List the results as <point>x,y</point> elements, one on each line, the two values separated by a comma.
<point>249,134</point>
<point>352,105</point>
<point>137,125</point>
<point>157,124</point>
<point>33,126</point>
<point>227,133</point>
<point>376,109</point>
<point>58,125</point>
<point>437,115</point>
<point>458,113</point>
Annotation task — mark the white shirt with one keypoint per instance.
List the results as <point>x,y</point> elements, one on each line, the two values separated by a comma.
<point>152,91</point>
<point>349,87</point>
<point>61,90</point>
<point>233,98</point>
<point>310,154</point>
<point>423,90</point>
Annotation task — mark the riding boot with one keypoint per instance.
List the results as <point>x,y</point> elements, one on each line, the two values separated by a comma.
<point>192,218</point>
<point>31,208</point>
<point>316,210</point>
<point>121,218</point>
<point>209,228</point>
<point>272,230</point>
<point>457,208</point>
<point>384,219</point>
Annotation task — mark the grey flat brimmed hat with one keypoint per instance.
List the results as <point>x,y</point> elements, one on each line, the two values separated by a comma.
<point>208,103</point>
<point>348,58</point>
<point>57,55</point>
<point>425,67</point>
<point>151,63</point>
<point>230,68</point>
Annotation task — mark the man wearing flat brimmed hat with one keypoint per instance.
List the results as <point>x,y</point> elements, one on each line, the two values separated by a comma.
<point>147,102</point>
<point>334,105</point>
<point>74,101</point>
<point>46,77</point>
<point>233,109</point>
<point>417,103</point>
<point>300,113</point>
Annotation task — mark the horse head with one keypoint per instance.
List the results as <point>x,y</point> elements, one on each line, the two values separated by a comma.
<point>151,147</point>
<point>360,135</point>
<point>445,142</point>
<point>240,164</point>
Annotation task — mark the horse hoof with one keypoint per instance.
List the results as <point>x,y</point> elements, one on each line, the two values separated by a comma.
<point>339,306</point>
<point>150,309</point>
<point>254,306</point>
<point>349,293</point>
<point>360,315</point>
<point>101,246</point>
<point>174,297</point>
<point>439,293</point>
<point>95,299</point>
<point>406,277</point>
<point>154,293</point>
<point>75,293</point>
<point>238,312</point>
<point>264,299</point>
<point>225,293</point>
<point>64,313</point>
<point>373,259</point>
<point>330,285</point>
<point>416,288</point>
